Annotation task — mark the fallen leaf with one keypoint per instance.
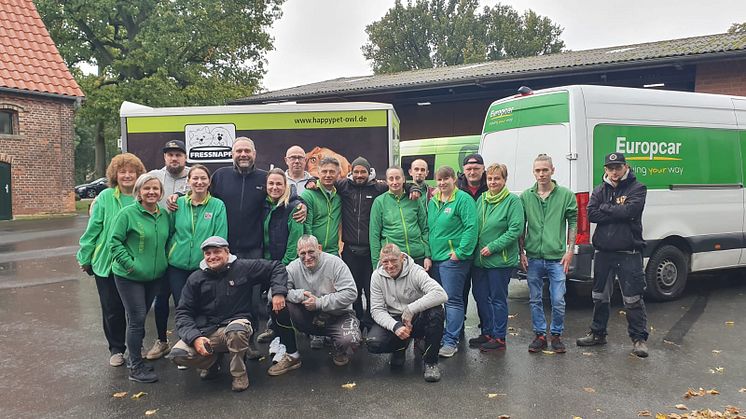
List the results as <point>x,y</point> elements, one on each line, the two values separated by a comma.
<point>138,395</point>
<point>713,392</point>
<point>349,386</point>
<point>731,409</point>
<point>661,416</point>
<point>730,323</point>
<point>671,343</point>
<point>503,417</point>
<point>717,370</point>
<point>513,333</point>
<point>119,395</point>
<point>622,313</point>
<point>644,413</point>
<point>151,412</point>
<point>547,352</point>
<point>681,407</point>
<point>588,353</point>
<point>576,417</point>
<point>491,395</point>
<point>589,389</point>
<point>512,316</point>
<point>716,351</point>
<point>743,390</point>
<point>511,329</point>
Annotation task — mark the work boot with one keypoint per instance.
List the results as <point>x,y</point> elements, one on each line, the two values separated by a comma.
<point>211,373</point>
<point>477,341</point>
<point>287,363</point>
<point>557,346</point>
<point>240,383</point>
<point>496,344</point>
<point>538,345</point>
<point>591,339</point>
<point>432,373</point>
<point>159,349</point>
<point>640,348</point>
<point>266,336</point>
<point>340,359</point>
<point>143,374</point>
<point>398,358</point>
<point>317,342</point>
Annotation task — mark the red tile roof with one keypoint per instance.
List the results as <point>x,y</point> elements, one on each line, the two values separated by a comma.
<point>29,60</point>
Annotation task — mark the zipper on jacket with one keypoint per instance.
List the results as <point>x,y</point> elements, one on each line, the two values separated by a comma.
<point>404,224</point>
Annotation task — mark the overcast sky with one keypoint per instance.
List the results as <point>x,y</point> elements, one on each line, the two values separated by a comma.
<point>321,39</point>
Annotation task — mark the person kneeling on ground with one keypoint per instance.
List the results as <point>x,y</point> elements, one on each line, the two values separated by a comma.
<point>213,313</point>
<point>405,303</point>
<point>320,296</point>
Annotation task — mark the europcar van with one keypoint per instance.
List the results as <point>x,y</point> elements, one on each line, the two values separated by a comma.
<point>446,151</point>
<point>688,148</point>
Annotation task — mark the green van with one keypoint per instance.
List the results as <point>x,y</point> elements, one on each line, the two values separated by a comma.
<point>437,152</point>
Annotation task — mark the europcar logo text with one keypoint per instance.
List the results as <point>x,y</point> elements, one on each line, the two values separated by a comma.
<point>650,150</point>
<point>501,113</point>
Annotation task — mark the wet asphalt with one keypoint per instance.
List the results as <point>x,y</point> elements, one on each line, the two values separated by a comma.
<point>55,362</point>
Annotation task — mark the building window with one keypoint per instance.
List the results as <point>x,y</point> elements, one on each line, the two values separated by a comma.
<point>7,122</point>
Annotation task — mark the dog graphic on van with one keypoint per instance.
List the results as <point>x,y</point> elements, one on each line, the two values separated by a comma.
<point>200,138</point>
<point>314,156</point>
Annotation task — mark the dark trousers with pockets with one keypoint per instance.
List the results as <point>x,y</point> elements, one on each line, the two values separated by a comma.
<point>427,325</point>
<point>112,312</point>
<point>360,264</point>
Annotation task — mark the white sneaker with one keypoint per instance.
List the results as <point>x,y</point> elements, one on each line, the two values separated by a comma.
<point>116,360</point>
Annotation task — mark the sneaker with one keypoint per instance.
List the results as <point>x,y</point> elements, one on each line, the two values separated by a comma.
<point>591,339</point>
<point>557,346</point>
<point>640,349</point>
<point>240,383</point>
<point>479,340</point>
<point>211,373</point>
<point>398,358</point>
<point>432,373</point>
<point>447,351</point>
<point>266,336</point>
<point>538,345</point>
<point>143,374</point>
<point>159,349</point>
<point>117,360</point>
<point>496,344</point>
<point>317,342</point>
<point>287,363</point>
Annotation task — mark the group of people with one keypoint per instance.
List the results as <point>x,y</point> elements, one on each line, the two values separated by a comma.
<point>231,246</point>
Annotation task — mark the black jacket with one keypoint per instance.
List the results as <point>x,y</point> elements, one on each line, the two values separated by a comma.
<point>357,200</point>
<point>617,213</point>
<point>278,228</point>
<point>243,195</point>
<point>463,184</point>
<point>210,300</point>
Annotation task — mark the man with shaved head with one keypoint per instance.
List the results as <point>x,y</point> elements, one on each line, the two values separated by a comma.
<point>297,176</point>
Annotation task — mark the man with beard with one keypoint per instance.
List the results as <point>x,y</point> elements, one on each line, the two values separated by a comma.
<point>173,177</point>
<point>295,158</point>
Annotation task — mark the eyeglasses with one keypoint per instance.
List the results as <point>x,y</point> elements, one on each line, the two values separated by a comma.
<point>295,157</point>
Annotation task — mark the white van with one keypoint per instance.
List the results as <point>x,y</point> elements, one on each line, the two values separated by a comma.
<point>688,148</point>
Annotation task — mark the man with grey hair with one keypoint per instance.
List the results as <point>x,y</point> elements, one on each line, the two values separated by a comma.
<point>320,296</point>
<point>405,303</point>
<point>295,159</point>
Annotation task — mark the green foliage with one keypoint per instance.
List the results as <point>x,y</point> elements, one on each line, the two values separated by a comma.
<point>157,53</point>
<point>436,33</point>
<point>737,28</point>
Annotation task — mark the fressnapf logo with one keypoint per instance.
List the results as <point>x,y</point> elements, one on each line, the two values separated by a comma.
<point>209,143</point>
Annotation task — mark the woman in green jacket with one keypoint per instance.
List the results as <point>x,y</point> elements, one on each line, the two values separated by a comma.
<point>452,220</point>
<point>500,223</point>
<point>94,255</point>
<point>138,247</point>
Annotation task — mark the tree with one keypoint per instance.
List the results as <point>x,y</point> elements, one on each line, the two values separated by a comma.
<point>158,53</point>
<point>437,33</point>
<point>737,28</point>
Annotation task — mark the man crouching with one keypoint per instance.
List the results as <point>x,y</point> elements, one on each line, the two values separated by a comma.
<point>213,313</point>
<point>405,303</point>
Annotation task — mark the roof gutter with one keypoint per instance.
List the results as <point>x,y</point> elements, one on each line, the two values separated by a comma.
<point>77,99</point>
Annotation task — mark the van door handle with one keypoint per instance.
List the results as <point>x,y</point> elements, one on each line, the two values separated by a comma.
<point>571,156</point>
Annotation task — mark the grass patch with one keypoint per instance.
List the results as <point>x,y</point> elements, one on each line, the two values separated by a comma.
<point>82,206</point>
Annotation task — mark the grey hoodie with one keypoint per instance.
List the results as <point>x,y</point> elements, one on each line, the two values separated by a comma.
<point>413,289</point>
<point>331,281</point>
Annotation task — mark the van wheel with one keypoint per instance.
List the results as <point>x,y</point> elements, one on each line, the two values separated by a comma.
<point>666,273</point>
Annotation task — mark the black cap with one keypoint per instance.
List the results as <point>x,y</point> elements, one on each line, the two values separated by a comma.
<point>473,159</point>
<point>175,145</point>
<point>614,158</point>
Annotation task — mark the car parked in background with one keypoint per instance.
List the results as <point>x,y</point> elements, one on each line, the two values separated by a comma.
<point>92,189</point>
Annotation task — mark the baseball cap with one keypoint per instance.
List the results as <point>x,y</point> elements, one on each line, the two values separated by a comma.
<point>473,159</point>
<point>174,145</point>
<point>614,158</point>
<point>214,241</point>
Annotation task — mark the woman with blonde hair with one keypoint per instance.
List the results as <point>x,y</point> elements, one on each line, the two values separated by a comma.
<point>138,247</point>
<point>94,255</point>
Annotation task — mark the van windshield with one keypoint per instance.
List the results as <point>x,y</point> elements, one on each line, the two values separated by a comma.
<point>517,148</point>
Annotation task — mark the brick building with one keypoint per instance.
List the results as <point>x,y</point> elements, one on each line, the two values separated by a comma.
<point>38,98</point>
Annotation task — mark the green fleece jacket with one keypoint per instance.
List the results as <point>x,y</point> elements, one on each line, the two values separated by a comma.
<point>453,226</point>
<point>398,220</point>
<point>547,221</point>
<point>323,217</point>
<point>500,225</point>
<point>191,225</point>
<point>94,243</point>
<point>138,243</point>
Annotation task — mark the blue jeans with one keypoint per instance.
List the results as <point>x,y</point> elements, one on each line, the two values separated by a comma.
<point>452,275</point>
<point>552,269</point>
<point>490,289</point>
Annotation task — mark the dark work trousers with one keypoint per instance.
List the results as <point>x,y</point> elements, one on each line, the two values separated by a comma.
<point>137,298</point>
<point>343,329</point>
<point>171,286</point>
<point>427,325</point>
<point>360,264</point>
<point>112,312</point>
<point>283,328</point>
<point>627,267</point>
<point>258,305</point>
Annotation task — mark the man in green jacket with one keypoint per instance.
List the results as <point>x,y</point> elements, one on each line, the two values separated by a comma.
<point>547,249</point>
<point>325,207</point>
<point>394,218</point>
